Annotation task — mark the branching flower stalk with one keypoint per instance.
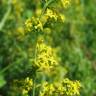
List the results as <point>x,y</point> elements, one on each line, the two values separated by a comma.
<point>44,58</point>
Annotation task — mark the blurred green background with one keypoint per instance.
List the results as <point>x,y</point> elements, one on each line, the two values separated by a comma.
<point>75,42</point>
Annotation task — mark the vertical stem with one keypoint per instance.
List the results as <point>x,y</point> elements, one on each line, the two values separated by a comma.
<point>43,79</point>
<point>35,73</point>
<point>33,87</point>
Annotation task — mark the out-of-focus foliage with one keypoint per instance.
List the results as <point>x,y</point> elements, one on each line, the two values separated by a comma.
<point>44,42</point>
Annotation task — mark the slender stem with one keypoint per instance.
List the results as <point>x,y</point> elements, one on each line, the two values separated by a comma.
<point>2,23</point>
<point>33,87</point>
<point>6,68</point>
<point>35,73</point>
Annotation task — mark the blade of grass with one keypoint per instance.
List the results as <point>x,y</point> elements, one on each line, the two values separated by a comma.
<point>3,21</point>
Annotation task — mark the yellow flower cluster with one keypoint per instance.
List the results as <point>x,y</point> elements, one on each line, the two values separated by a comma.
<point>65,3</point>
<point>33,24</point>
<point>72,87</point>
<point>64,88</point>
<point>18,6</point>
<point>50,14</point>
<point>37,24</point>
<point>23,86</point>
<point>45,58</point>
<point>28,83</point>
<point>47,89</point>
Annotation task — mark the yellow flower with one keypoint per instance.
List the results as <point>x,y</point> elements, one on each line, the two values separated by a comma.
<point>29,81</point>
<point>51,14</point>
<point>65,3</point>
<point>47,89</point>
<point>72,87</point>
<point>64,88</point>
<point>39,26</point>
<point>24,91</point>
<point>20,30</point>
<point>62,17</point>
<point>45,59</point>
<point>28,24</point>
<point>33,24</point>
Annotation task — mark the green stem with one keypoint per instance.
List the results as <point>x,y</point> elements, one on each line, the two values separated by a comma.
<point>34,83</point>
<point>6,68</point>
<point>35,57</point>
<point>2,23</point>
<point>33,87</point>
